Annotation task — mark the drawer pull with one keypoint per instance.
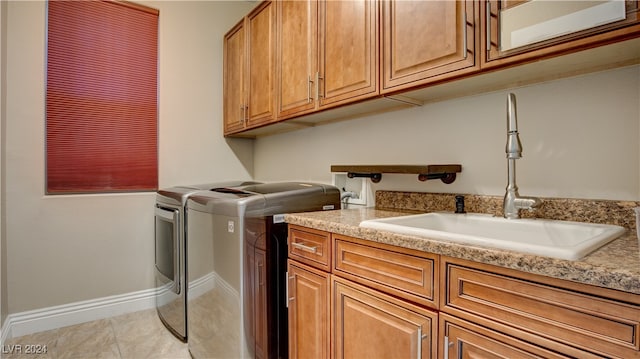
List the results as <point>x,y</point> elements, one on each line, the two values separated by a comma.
<point>305,248</point>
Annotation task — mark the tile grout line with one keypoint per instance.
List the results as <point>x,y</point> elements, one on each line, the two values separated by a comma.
<point>115,336</point>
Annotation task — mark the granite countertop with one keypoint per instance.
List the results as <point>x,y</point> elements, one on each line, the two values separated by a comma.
<point>615,265</point>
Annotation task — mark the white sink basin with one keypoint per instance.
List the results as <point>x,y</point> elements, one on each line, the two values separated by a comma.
<point>557,239</point>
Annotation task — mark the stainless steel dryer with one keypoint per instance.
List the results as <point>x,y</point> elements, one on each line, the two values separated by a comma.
<point>237,252</point>
<point>170,257</point>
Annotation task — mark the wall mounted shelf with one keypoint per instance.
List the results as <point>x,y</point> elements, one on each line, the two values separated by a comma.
<point>446,173</point>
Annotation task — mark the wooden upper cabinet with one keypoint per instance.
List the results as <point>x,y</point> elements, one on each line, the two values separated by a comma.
<point>233,103</point>
<point>249,70</point>
<point>327,54</point>
<point>297,51</point>
<point>261,62</point>
<point>349,60</point>
<point>516,31</point>
<point>427,41</point>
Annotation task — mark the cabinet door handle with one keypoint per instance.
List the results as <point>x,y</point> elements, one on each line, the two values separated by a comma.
<point>421,337</point>
<point>260,279</point>
<point>447,345</point>
<point>289,299</point>
<point>318,93</point>
<point>309,84</point>
<point>306,248</point>
<point>420,342</point>
<point>242,114</point>
<point>464,28</point>
<point>488,22</point>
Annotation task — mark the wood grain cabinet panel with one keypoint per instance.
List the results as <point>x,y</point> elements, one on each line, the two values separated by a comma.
<point>256,327</point>
<point>349,58</point>
<point>369,324</point>
<point>427,41</point>
<point>308,296</point>
<point>234,71</point>
<point>260,302</point>
<point>297,60</point>
<point>327,54</point>
<point>461,339</point>
<point>261,62</point>
<point>541,313</point>
<point>408,276</point>
<point>249,71</point>
<point>310,246</point>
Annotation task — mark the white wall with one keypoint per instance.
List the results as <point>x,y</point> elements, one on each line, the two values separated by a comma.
<point>63,249</point>
<point>580,137</point>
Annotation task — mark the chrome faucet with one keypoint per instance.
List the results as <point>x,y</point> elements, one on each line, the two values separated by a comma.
<point>513,202</point>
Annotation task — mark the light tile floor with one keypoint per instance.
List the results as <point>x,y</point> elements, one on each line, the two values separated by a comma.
<point>136,335</point>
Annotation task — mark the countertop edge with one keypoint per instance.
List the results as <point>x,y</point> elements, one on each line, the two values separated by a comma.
<point>591,270</point>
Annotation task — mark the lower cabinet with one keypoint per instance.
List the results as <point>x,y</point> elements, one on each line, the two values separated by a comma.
<point>574,319</point>
<point>381,301</point>
<point>308,296</point>
<point>370,324</point>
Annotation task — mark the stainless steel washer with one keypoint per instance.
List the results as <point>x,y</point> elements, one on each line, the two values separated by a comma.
<point>237,252</point>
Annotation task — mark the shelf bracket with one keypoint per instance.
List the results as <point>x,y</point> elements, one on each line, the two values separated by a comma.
<point>447,178</point>
<point>445,173</point>
<point>374,177</point>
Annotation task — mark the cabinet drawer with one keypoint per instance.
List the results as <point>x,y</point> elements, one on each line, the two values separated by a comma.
<point>462,339</point>
<point>310,246</point>
<point>547,315</point>
<point>404,275</point>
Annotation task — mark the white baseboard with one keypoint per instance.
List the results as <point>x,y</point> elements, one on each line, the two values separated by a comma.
<point>4,332</point>
<point>39,320</point>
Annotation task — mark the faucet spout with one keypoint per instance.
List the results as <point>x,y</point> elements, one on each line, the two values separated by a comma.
<point>513,202</point>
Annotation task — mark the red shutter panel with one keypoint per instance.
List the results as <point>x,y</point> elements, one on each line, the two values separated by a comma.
<point>101,99</point>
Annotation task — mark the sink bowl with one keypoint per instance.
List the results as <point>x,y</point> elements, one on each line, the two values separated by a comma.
<point>550,238</point>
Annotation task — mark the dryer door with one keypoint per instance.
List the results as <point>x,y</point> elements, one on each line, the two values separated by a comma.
<point>167,248</point>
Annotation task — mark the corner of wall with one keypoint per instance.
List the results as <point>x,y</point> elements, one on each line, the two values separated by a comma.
<point>3,240</point>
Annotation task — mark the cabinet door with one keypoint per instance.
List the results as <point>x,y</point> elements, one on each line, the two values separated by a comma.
<point>461,339</point>
<point>348,51</point>
<point>261,51</point>
<point>524,30</point>
<point>297,56</point>
<point>426,41</point>
<point>234,62</point>
<point>369,324</point>
<point>308,292</point>
<point>260,305</point>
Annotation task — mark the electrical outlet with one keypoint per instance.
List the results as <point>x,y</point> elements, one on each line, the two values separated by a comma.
<point>358,186</point>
